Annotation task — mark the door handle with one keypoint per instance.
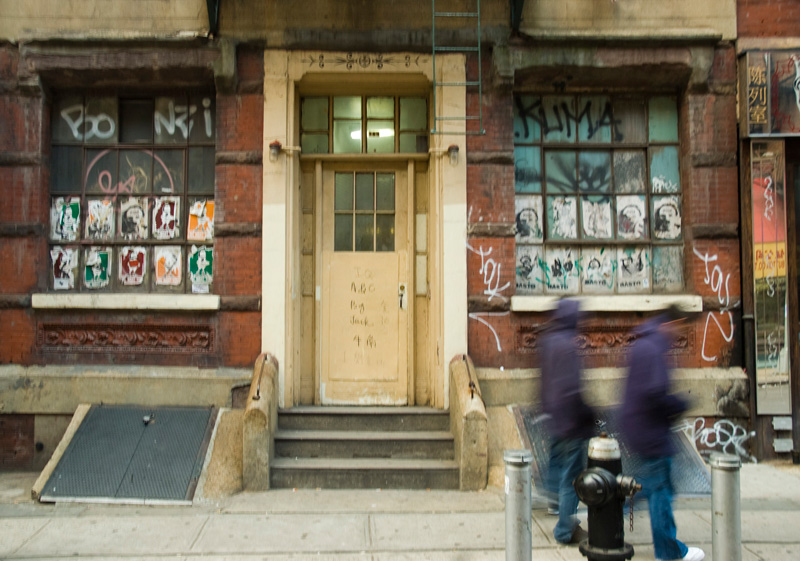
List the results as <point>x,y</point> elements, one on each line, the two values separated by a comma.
<point>401,292</point>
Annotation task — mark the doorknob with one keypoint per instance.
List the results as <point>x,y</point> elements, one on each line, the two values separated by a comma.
<point>401,292</point>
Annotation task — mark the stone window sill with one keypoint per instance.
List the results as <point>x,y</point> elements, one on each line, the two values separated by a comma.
<point>111,301</point>
<point>611,303</point>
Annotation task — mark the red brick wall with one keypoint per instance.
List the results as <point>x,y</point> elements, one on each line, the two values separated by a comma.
<point>499,337</point>
<point>767,18</point>
<point>234,336</point>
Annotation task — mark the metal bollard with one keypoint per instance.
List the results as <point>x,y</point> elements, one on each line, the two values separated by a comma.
<point>518,504</point>
<point>726,517</point>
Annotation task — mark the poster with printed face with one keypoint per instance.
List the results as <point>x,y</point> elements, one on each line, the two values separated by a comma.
<point>598,269</point>
<point>633,269</point>
<point>201,267</point>
<point>132,261</point>
<point>631,217</point>
<point>65,219</point>
<point>562,218</point>
<point>65,267</point>
<point>168,265</point>
<point>561,270</point>
<point>166,217</point>
<point>596,216</point>
<point>97,267</point>
<point>528,227</point>
<point>100,219</point>
<point>667,218</point>
<point>133,219</point>
<point>201,221</point>
<point>530,275</point>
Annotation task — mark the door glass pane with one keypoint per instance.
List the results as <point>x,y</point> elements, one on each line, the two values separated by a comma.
<point>384,232</point>
<point>527,116</point>
<point>347,137</point>
<point>663,120</point>
<point>343,232</point>
<point>364,191</point>
<point>365,232</point>
<point>202,124</point>
<point>385,191</point>
<point>594,119</point>
<point>347,107</point>
<point>67,120</point>
<point>314,143</point>
<point>380,137</point>
<point>380,108</point>
<point>559,123</point>
<point>413,143</point>
<point>343,196</point>
<point>413,113</point>
<point>171,120</point>
<point>315,113</point>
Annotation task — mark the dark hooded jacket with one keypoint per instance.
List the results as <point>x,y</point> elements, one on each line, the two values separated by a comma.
<point>569,415</point>
<point>648,408</point>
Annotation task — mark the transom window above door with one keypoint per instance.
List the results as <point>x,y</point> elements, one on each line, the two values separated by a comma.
<point>364,211</point>
<point>363,125</point>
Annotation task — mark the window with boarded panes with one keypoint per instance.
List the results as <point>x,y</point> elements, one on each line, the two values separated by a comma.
<point>132,193</point>
<point>598,194</point>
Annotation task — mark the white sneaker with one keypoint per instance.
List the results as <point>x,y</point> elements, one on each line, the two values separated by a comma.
<point>694,554</point>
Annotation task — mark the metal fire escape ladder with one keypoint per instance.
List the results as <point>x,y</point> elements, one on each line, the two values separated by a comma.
<point>474,16</point>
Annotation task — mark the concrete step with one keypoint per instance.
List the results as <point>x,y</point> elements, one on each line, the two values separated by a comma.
<point>364,444</point>
<point>401,419</point>
<point>364,473</point>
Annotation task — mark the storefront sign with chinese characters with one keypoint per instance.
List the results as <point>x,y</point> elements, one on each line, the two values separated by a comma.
<point>772,102</point>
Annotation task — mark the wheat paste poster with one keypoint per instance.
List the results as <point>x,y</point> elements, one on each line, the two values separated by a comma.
<point>633,269</point>
<point>562,270</point>
<point>168,269</point>
<point>97,267</point>
<point>598,266</point>
<point>667,218</point>
<point>562,218</point>
<point>530,275</point>
<point>201,221</point>
<point>201,267</point>
<point>99,219</point>
<point>65,219</point>
<point>132,262</point>
<point>668,268</point>
<point>631,217</point>
<point>65,267</point>
<point>166,215</point>
<point>528,218</point>
<point>133,223</point>
<point>596,217</point>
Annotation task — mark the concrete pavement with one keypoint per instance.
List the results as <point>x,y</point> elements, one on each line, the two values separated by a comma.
<point>373,524</point>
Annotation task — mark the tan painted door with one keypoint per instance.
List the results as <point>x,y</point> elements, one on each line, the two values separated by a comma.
<point>365,286</point>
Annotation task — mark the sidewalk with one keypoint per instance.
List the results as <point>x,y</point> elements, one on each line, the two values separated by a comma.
<point>376,524</point>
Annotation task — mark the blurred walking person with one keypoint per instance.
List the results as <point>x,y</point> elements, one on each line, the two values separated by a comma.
<point>648,412</point>
<point>570,421</point>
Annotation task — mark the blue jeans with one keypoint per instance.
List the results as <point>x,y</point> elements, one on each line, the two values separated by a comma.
<point>567,460</point>
<point>655,478</point>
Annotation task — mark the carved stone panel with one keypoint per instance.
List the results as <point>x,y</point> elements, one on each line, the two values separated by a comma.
<point>165,339</point>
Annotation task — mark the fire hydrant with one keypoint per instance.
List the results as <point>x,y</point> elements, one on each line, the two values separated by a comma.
<point>603,489</point>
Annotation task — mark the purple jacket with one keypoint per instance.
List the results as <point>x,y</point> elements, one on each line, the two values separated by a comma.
<point>648,408</point>
<point>570,416</point>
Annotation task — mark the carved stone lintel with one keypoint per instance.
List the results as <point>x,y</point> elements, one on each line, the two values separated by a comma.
<point>497,158</point>
<point>600,340</point>
<point>715,231</point>
<point>240,303</point>
<point>24,230</point>
<point>161,339</point>
<point>20,159</point>
<point>9,301</point>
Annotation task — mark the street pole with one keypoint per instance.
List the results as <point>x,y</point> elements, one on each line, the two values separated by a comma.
<point>518,504</point>
<point>726,517</point>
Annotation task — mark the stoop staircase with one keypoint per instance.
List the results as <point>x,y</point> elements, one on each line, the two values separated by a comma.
<point>364,447</point>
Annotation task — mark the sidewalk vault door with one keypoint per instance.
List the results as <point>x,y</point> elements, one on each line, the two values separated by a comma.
<point>365,286</point>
